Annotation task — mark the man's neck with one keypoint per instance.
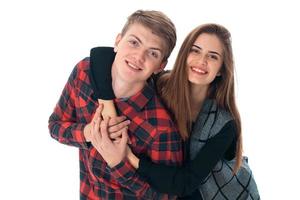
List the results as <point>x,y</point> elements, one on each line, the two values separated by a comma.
<point>125,90</point>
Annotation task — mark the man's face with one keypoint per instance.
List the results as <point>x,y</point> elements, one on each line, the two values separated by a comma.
<point>139,53</point>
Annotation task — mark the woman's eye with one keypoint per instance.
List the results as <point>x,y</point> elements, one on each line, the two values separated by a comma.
<point>214,57</point>
<point>194,50</point>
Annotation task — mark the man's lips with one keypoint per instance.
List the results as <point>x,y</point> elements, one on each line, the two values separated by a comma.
<point>133,66</point>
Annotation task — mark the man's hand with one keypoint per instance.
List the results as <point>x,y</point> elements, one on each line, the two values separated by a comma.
<point>113,152</point>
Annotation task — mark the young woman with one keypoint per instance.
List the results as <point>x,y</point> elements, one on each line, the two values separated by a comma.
<point>199,92</point>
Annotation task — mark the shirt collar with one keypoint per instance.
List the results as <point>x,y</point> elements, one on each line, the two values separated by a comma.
<point>139,100</point>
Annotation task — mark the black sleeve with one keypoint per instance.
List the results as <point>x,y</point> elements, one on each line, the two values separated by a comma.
<point>184,180</point>
<point>101,59</point>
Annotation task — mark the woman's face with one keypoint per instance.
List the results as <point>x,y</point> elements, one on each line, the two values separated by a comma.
<point>205,59</point>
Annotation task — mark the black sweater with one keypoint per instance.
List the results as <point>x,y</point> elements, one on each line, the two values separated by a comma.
<point>183,181</point>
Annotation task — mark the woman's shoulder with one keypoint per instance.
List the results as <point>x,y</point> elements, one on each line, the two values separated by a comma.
<point>211,119</point>
<point>211,107</point>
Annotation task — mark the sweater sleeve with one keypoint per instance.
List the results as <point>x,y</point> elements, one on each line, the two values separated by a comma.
<point>101,59</point>
<point>184,180</point>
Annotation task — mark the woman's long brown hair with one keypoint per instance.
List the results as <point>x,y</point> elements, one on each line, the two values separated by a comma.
<point>174,87</point>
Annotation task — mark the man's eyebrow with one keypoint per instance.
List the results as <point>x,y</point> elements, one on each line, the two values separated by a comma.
<point>214,52</point>
<point>140,41</point>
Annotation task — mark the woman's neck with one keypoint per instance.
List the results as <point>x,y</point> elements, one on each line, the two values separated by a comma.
<point>198,96</point>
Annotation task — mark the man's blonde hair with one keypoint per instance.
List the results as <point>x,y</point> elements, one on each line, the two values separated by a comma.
<point>160,25</point>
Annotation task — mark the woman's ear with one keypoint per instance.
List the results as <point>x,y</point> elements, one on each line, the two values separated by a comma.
<point>220,70</point>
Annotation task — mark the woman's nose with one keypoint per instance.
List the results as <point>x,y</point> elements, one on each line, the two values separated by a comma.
<point>202,60</point>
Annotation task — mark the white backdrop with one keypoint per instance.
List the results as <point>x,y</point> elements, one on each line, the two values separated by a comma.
<point>41,41</point>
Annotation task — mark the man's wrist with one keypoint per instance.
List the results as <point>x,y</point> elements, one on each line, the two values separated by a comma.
<point>114,163</point>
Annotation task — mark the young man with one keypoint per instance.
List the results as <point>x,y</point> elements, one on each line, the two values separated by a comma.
<point>142,48</point>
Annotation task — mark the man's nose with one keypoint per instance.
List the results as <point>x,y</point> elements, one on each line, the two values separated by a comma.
<point>140,55</point>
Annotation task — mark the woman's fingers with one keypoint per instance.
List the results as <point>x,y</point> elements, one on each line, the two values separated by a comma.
<point>116,120</point>
<point>117,134</point>
<point>118,126</point>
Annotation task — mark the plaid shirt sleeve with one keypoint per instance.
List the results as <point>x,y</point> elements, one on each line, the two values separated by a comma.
<point>166,148</point>
<point>62,123</point>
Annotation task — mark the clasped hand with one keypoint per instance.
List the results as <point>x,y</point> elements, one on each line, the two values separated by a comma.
<point>113,150</point>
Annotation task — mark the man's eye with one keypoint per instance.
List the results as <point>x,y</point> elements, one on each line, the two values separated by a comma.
<point>154,54</point>
<point>133,42</point>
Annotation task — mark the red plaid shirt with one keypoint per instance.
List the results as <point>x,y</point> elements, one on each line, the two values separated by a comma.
<point>151,131</point>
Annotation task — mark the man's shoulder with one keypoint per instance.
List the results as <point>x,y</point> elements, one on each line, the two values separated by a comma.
<point>81,70</point>
<point>84,64</point>
<point>80,77</point>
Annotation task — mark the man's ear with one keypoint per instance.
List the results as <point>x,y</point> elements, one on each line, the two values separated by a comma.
<point>118,39</point>
<point>161,67</point>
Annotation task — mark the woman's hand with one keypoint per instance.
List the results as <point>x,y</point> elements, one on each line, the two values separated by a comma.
<point>116,126</point>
